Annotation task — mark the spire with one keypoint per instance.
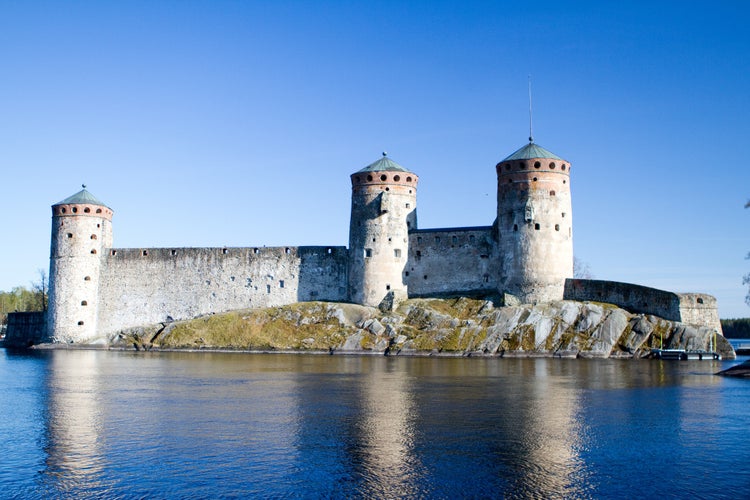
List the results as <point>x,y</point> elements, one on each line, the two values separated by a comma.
<point>531,121</point>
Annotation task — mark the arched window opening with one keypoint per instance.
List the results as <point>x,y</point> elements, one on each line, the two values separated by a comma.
<point>383,177</point>
<point>537,164</point>
<point>397,178</point>
<point>700,300</point>
<point>86,210</point>
<point>93,236</point>
<point>537,226</point>
<point>70,235</point>
<point>87,278</point>
<point>93,251</point>
<point>145,253</point>
<point>408,179</point>
<point>557,227</point>
<point>552,193</point>
<point>84,303</point>
<point>98,210</point>
<point>369,178</point>
<point>80,323</point>
<point>552,165</point>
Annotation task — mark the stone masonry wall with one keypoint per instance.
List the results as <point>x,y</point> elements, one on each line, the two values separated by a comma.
<point>453,260</point>
<point>700,309</point>
<point>25,328</point>
<point>690,308</point>
<point>142,286</point>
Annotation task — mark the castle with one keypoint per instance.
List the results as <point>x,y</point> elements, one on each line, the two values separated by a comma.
<point>526,256</point>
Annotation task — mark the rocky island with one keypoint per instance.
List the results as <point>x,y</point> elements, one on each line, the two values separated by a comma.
<point>458,326</point>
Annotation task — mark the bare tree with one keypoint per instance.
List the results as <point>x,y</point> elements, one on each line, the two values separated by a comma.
<point>39,287</point>
<point>581,269</point>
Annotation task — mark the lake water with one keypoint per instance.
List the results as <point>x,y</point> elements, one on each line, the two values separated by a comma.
<point>100,424</point>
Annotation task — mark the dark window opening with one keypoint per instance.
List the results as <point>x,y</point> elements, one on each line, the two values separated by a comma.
<point>86,210</point>
<point>419,254</point>
<point>515,227</point>
<point>425,276</point>
<point>552,193</point>
<point>437,239</point>
<point>397,178</point>
<point>383,177</point>
<point>454,239</point>
<point>387,287</point>
<point>408,179</point>
<point>287,251</point>
<point>700,300</point>
<point>368,252</point>
<point>70,235</point>
<point>536,226</point>
<point>557,227</point>
<point>98,210</point>
<point>80,323</point>
<point>397,252</point>
<point>268,288</point>
<point>486,278</point>
<point>145,253</point>
<point>225,251</point>
<point>537,164</point>
<point>484,256</point>
<point>281,283</point>
<point>84,303</point>
<point>93,236</point>
<point>93,252</point>
<point>369,178</point>
<point>87,278</point>
<point>174,252</point>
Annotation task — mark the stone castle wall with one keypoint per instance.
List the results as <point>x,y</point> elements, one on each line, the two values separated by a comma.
<point>450,261</point>
<point>142,286</point>
<point>690,308</point>
<point>25,328</point>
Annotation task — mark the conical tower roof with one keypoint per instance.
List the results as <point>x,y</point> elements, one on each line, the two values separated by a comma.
<point>82,197</point>
<point>532,150</point>
<point>384,164</point>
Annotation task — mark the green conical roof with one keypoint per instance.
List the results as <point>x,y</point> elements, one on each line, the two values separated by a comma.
<point>83,197</point>
<point>384,164</point>
<point>530,151</point>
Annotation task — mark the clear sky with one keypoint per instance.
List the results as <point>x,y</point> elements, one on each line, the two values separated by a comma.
<point>237,123</point>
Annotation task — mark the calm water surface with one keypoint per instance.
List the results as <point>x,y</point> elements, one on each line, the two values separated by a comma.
<point>99,424</point>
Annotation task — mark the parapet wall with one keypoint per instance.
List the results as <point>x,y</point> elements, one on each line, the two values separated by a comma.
<point>143,286</point>
<point>691,308</point>
<point>450,261</point>
<point>25,329</point>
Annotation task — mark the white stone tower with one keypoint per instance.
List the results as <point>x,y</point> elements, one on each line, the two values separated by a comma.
<point>81,230</point>
<point>535,224</point>
<point>384,209</point>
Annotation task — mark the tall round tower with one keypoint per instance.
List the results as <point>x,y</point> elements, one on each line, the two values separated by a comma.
<point>384,209</point>
<point>535,224</point>
<point>81,229</point>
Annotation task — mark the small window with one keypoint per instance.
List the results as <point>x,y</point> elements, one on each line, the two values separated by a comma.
<point>537,164</point>
<point>557,227</point>
<point>86,210</point>
<point>437,239</point>
<point>419,254</point>
<point>80,323</point>
<point>389,239</point>
<point>384,177</point>
<point>113,252</point>
<point>563,215</point>
<point>174,252</point>
<point>287,251</point>
<point>471,238</point>
<point>484,256</point>
<point>536,226</point>
<point>373,240</point>
<point>98,210</point>
<point>563,167</point>
<point>522,165</point>
<point>93,251</point>
<point>565,182</point>
<point>87,278</point>
<point>454,239</point>
<point>397,253</point>
<point>145,253</point>
<point>226,251</point>
<point>84,303</point>
<point>419,239</point>
<point>75,210</point>
<point>408,205</point>
<point>552,193</point>
<point>408,179</point>
<point>70,235</point>
<point>387,189</point>
<point>552,165</point>
<point>93,236</point>
<point>534,179</point>
<point>515,227</point>
<point>329,251</point>
<point>268,288</point>
<point>368,252</point>
<point>397,178</point>
<point>255,250</point>
<point>62,210</point>
<point>486,278</point>
<point>700,300</point>
<point>425,276</point>
<point>369,178</point>
<point>406,273</point>
<point>387,286</point>
<point>281,283</point>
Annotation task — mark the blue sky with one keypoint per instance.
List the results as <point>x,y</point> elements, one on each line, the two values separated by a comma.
<point>238,123</point>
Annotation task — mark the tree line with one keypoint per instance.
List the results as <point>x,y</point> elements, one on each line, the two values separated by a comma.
<point>22,299</point>
<point>736,328</point>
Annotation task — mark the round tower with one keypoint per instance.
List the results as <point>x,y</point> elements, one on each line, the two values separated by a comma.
<point>384,210</point>
<point>81,230</point>
<point>534,224</point>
